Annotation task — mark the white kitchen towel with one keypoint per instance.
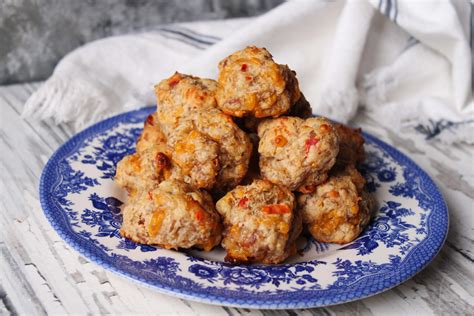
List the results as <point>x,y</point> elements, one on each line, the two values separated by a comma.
<point>407,62</point>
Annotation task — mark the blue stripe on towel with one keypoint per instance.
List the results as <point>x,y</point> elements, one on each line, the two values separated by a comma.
<point>182,40</point>
<point>188,36</point>
<point>395,8</point>
<point>388,7</point>
<point>196,34</point>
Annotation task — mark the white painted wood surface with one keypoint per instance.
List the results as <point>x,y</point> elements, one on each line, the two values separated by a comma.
<point>41,274</point>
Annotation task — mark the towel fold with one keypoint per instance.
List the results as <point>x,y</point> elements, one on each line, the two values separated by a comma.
<point>408,63</point>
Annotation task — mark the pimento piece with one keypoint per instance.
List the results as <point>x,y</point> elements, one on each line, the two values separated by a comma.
<point>277,209</point>
<point>174,80</point>
<point>333,194</point>
<point>199,215</point>
<point>149,120</point>
<point>311,141</point>
<point>243,202</point>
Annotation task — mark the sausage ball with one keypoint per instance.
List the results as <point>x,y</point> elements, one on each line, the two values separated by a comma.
<point>351,146</point>
<point>339,209</point>
<point>297,153</point>
<point>173,215</point>
<point>235,147</point>
<point>251,83</point>
<point>149,165</point>
<point>193,158</point>
<point>260,223</point>
<point>196,154</point>
<point>181,95</point>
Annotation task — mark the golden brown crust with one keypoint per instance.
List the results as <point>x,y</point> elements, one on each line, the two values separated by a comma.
<point>157,160</point>
<point>150,164</point>
<point>196,154</point>
<point>251,83</point>
<point>219,153</point>
<point>181,95</point>
<point>297,153</point>
<point>260,223</point>
<point>172,215</point>
<point>339,209</point>
<point>235,146</point>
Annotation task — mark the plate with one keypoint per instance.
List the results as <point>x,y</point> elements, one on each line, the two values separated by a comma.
<point>82,203</point>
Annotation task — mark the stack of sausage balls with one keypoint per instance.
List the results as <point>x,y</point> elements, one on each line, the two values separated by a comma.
<point>240,162</point>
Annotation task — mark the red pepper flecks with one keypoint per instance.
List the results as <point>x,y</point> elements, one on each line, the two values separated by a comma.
<point>150,196</point>
<point>173,81</point>
<point>243,67</point>
<point>276,209</point>
<point>243,202</point>
<point>150,120</point>
<point>311,141</point>
<point>200,215</point>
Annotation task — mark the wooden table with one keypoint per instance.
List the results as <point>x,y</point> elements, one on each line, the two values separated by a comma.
<point>41,274</point>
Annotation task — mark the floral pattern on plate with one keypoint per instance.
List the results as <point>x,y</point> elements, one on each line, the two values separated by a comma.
<point>82,203</point>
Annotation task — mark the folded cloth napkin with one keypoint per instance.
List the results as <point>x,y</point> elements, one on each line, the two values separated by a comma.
<point>407,62</point>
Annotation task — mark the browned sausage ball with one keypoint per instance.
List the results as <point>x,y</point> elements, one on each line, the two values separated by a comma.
<point>339,209</point>
<point>235,146</point>
<point>196,154</point>
<point>186,106</point>
<point>251,83</point>
<point>181,95</point>
<point>297,153</point>
<point>173,215</point>
<point>150,165</point>
<point>155,160</point>
<point>260,223</point>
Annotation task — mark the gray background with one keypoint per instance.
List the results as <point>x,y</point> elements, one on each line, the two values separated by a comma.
<point>35,34</point>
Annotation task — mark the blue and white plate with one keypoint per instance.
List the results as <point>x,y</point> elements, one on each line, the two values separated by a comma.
<point>82,203</point>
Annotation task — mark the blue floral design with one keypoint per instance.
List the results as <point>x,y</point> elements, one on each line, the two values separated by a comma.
<point>349,272</point>
<point>253,277</point>
<point>128,244</point>
<point>163,265</point>
<point>256,276</point>
<point>106,216</point>
<point>204,272</point>
<point>111,150</point>
<point>73,181</point>
<point>387,175</point>
<point>377,167</point>
<point>389,229</point>
<point>412,188</point>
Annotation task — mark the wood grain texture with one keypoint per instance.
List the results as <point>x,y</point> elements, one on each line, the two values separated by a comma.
<point>40,274</point>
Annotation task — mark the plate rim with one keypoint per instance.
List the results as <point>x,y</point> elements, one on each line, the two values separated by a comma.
<point>49,174</point>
